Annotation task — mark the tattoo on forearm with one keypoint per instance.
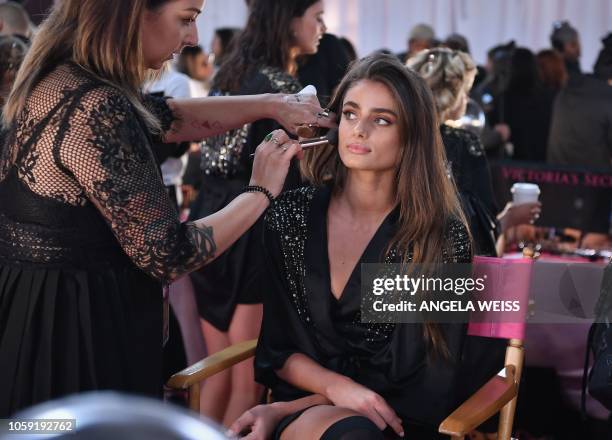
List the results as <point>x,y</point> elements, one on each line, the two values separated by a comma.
<point>208,125</point>
<point>202,237</point>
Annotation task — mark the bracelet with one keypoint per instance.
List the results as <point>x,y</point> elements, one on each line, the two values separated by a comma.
<point>261,189</point>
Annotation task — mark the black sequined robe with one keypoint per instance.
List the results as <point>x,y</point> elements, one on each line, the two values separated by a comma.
<point>301,315</point>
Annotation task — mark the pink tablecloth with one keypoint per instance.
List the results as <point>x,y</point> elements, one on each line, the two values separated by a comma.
<point>562,345</point>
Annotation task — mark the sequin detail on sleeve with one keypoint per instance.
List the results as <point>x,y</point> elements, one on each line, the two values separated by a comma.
<point>222,154</point>
<point>287,218</point>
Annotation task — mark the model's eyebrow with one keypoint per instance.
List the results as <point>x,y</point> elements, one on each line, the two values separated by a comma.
<point>374,110</point>
<point>384,110</point>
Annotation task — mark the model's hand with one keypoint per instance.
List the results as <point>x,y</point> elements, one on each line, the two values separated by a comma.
<point>294,111</point>
<point>272,159</point>
<point>349,394</point>
<point>259,422</point>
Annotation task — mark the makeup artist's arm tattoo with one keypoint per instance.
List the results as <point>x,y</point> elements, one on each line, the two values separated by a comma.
<point>203,239</point>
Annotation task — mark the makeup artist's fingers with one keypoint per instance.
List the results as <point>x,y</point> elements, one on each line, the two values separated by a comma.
<point>328,121</point>
<point>290,148</point>
<point>277,137</point>
<point>271,164</point>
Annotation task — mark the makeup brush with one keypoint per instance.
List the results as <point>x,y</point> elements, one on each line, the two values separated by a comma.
<point>330,138</point>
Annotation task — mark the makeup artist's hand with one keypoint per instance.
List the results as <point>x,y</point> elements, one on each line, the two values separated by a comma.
<point>349,394</point>
<point>294,111</point>
<point>272,159</point>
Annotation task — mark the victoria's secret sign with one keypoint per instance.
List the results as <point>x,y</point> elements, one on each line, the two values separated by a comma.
<point>557,177</point>
<point>571,197</point>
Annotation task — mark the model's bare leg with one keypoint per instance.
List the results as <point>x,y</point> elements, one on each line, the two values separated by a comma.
<point>313,423</point>
<point>182,298</point>
<point>215,393</point>
<point>246,393</point>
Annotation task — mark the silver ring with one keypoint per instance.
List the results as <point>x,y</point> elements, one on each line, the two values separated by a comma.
<point>323,114</point>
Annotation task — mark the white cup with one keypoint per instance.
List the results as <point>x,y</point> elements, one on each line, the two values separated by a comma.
<point>525,193</point>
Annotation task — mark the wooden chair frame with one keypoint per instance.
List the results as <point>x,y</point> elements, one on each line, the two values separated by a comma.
<point>498,395</point>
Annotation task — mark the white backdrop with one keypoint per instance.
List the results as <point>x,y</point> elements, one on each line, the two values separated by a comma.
<point>376,24</point>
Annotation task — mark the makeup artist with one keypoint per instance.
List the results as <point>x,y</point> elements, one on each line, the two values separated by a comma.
<point>88,235</point>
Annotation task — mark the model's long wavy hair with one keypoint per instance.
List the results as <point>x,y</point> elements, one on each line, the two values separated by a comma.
<point>266,39</point>
<point>103,37</point>
<point>426,197</point>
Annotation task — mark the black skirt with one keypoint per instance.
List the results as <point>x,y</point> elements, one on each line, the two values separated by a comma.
<point>235,276</point>
<point>65,330</point>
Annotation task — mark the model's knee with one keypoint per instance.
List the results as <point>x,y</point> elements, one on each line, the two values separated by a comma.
<point>353,428</point>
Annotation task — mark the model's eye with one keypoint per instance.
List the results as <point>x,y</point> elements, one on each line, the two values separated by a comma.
<point>349,115</point>
<point>382,121</point>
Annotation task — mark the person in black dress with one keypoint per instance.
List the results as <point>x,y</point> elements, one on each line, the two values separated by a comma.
<point>450,74</point>
<point>88,235</point>
<point>527,108</point>
<point>380,196</point>
<point>230,290</point>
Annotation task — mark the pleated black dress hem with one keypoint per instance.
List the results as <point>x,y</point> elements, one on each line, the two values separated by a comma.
<point>82,317</point>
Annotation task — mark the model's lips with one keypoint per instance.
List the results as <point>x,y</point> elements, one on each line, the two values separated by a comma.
<point>358,149</point>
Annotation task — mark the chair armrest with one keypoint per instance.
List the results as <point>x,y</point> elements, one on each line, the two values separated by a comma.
<point>485,402</point>
<point>213,364</point>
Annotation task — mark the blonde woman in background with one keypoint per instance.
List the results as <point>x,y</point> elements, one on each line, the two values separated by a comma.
<point>450,75</point>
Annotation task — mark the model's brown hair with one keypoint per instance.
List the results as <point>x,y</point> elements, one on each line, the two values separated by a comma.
<point>426,196</point>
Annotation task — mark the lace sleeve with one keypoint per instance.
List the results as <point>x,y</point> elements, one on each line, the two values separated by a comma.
<point>108,153</point>
<point>159,107</point>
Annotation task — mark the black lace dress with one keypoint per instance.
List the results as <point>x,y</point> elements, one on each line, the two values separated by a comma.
<point>235,277</point>
<point>87,238</point>
<point>302,316</point>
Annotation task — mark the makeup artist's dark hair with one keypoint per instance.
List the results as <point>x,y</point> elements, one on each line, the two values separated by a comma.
<point>266,40</point>
<point>426,197</point>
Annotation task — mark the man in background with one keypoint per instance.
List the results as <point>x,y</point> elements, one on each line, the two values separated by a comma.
<point>581,127</point>
<point>422,36</point>
<point>566,41</point>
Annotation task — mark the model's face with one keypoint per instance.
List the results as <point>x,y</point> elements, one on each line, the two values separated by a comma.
<point>369,130</point>
<point>166,30</point>
<point>308,29</point>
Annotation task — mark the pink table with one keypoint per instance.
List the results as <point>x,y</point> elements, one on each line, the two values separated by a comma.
<point>565,285</point>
